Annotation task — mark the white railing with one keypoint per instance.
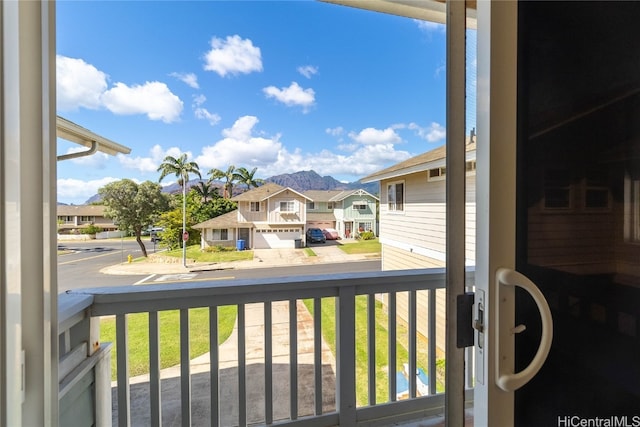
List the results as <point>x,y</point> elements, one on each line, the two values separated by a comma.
<point>343,290</point>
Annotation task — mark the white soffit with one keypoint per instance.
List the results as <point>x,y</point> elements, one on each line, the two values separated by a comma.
<point>70,131</point>
<point>425,10</point>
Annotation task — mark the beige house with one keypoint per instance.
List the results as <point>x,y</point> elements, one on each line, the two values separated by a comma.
<point>270,216</point>
<point>413,210</point>
<point>72,218</point>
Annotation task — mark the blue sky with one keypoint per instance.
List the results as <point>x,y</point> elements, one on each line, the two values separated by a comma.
<point>282,86</point>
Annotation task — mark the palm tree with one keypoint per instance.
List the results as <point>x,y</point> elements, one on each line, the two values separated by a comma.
<point>243,176</point>
<point>181,168</point>
<point>206,190</point>
<point>229,176</point>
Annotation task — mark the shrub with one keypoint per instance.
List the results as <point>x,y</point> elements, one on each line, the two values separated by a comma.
<point>91,229</point>
<point>367,235</point>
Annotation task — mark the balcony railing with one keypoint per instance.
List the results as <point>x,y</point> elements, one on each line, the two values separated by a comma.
<point>316,395</point>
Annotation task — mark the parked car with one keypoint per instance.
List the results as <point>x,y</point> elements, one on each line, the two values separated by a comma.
<point>153,232</point>
<point>315,235</point>
<point>331,233</point>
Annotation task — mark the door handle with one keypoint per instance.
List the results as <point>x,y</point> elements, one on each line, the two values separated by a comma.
<point>506,379</point>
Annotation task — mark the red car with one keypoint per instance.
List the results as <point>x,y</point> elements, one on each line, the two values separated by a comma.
<point>331,233</point>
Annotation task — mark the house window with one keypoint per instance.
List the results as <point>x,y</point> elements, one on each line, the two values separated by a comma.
<point>331,206</point>
<point>65,219</point>
<point>395,196</point>
<point>220,234</point>
<point>557,189</point>
<point>437,174</point>
<point>359,206</point>
<point>86,218</point>
<point>311,206</point>
<point>255,206</point>
<point>470,165</point>
<point>364,226</point>
<point>288,206</point>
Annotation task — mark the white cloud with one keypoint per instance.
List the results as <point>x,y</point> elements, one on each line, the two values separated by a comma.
<point>78,191</point>
<point>233,55</point>
<point>293,95</point>
<point>202,113</point>
<point>376,136</point>
<point>434,133</point>
<point>240,147</point>
<point>188,78</point>
<point>96,160</point>
<point>78,84</point>
<point>82,85</point>
<point>150,163</point>
<point>337,131</point>
<point>430,27</point>
<point>153,99</point>
<point>308,70</point>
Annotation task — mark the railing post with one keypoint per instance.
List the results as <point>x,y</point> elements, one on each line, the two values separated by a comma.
<point>102,372</point>
<point>346,361</point>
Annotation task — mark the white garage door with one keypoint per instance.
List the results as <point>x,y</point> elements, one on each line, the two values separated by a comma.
<point>276,238</point>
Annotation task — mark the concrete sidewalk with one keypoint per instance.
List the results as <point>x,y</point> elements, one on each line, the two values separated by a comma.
<point>156,264</point>
<point>255,375</point>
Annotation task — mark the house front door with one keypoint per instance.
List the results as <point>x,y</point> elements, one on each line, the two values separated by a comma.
<point>558,202</point>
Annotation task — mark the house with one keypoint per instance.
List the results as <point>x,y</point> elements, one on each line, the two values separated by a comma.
<point>348,211</point>
<point>269,216</point>
<point>413,210</point>
<point>72,218</point>
<point>558,196</point>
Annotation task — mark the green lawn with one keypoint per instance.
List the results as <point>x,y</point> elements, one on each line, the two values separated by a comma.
<point>194,252</point>
<point>361,247</point>
<point>169,336</point>
<point>382,354</point>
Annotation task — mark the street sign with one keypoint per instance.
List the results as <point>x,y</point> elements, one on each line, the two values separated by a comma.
<point>185,236</point>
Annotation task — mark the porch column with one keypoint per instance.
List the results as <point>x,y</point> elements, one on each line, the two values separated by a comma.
<point>455,202</point>
<point>28,288</point>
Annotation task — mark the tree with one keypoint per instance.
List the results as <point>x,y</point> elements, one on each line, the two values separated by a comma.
<point>205,190</point>
<point>229,176</point>
<point>243,176</point>
<point>181,168</point>
<point>133,206</point>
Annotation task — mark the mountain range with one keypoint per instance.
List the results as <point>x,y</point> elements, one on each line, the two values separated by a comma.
<point>300,181</point>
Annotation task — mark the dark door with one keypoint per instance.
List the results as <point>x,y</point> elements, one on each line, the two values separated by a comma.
<point>578,207</point>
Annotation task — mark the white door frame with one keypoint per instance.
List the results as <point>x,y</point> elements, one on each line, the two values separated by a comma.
<point>495,192</point>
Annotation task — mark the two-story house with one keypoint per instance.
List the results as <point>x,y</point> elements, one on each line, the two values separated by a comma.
<point>348,211</point>
<point>72,218</point>
<point>270,216</point>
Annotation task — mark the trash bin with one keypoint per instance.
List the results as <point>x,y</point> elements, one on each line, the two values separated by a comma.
<point>298,243</point>
<point>240,245</point>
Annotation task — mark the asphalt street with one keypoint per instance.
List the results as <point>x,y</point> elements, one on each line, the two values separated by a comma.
<point>80,264</point>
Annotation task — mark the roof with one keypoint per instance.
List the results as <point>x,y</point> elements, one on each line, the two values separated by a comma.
<point>82,210</point>
<point>424,10</point>
<point>264,192</point>
<point>228,220</point>
<point>334,195</point>
<point>320,216</point>
<point>420,163</point>
<point>70,131</point>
